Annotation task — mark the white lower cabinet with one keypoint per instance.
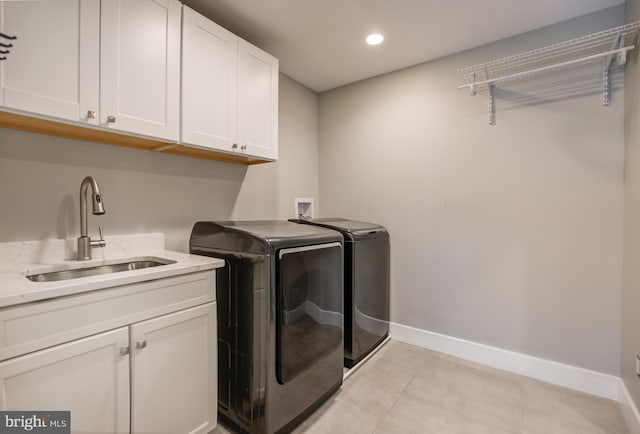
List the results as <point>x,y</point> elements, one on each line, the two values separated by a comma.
<point>88,377</point>
<point>154,376</point>
<point>173,375</point>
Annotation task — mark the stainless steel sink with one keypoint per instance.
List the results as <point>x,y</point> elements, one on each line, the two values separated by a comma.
<point>76,273</point>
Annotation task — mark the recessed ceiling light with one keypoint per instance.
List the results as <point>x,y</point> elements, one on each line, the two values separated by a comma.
<point>375,39</point>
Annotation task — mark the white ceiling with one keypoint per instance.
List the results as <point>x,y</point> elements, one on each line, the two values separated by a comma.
<point>320,43</point>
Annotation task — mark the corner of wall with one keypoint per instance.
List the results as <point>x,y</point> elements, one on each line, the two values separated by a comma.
<point>630,321</point>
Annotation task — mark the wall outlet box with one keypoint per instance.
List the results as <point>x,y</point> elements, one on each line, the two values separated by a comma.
<point>304,207</point>
<point>638,365</point>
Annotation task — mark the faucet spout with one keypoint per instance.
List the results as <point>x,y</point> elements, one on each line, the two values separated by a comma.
<point>84,242</point>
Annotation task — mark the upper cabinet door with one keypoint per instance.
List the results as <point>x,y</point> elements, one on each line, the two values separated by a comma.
<point>208,83</point>
<point>257,101</point>
<point>53,67</point>
<point>140,67</point>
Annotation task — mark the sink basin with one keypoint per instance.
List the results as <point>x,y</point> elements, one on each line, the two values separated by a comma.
<point>75,273</point>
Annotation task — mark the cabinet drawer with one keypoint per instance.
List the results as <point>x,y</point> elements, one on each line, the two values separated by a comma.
<point>30,327</point>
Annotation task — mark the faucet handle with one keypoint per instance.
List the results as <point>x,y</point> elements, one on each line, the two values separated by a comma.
<point>101,242</point>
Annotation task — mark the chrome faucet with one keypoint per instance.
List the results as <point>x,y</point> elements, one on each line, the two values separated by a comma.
<point>84,242</point>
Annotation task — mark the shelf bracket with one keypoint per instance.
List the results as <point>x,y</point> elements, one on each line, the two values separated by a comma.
<point>621,56</point>
<point>472,89</point>
<point>618,42</point>
<point>491,105</point>
<point>605,84</point>
<point>621,59</point>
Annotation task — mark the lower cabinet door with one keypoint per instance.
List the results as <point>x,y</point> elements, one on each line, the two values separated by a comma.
<point>89,377</point>
<point>174,372</point>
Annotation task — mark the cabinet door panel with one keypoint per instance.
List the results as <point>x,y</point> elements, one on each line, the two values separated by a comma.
<point>208,83</point>
<point>140,66</point>
<point>53,68</point>
<point>174,372</point>
<point>257,101</point>
<point>88,377</point>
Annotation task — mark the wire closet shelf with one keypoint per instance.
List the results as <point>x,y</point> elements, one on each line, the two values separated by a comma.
<point>604,47</point>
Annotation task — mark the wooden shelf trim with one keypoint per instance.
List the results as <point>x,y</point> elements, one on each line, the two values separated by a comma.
<point>91,134</point>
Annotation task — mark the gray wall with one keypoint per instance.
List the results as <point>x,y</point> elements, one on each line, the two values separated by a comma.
<point>147,192</point>
<point>507,235</point>
<point>631,275</point>
<point>269,190</point>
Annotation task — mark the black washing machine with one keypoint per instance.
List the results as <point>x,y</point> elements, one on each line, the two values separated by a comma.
<point>366,284</point>
<point>280,319</point>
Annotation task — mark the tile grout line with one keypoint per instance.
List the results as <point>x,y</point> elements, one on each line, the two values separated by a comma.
<point>519,387</point>
<point>398,397</point>
<point>361,363</point>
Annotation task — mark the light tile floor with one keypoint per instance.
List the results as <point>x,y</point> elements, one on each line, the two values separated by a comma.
<point>406,389</point>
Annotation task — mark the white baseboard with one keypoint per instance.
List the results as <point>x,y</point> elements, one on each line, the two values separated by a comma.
<point>573,377</point>
<point>629,410</point>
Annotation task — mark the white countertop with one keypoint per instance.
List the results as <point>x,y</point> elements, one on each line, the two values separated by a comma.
<point>30,257</point>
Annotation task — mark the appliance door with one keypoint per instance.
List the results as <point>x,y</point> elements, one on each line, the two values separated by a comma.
<point>309,311</point>
<point>370,292</point>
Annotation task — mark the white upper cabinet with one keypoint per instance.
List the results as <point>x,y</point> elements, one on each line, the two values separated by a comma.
<point>53,67</point>
<point>208,82</point>
<point>140,67</point>
<point>257,101</point>
<point>115,63</point>
<point>229,91</point>
<point>152,68</point>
